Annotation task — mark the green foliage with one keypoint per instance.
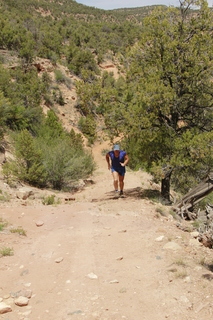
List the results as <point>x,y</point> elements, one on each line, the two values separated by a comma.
<point>20,99</point>
<point>6,251</point>
<point>166,114</point>
<point>76,140</point>
<point>4,197</point>
<point>161,211</point>
<point>4,80</point>
<point>19,230</point>
<point>9,173</point>
<point>59,76</point>
<point>65,164</point>
<point>49,200</point>
<point>27,87</point>
<point>80,60</point>
<point>27,51</point>
<point>53,159</point>
<point>51,128</point>
<point>64,157</point>
<point>28,164</point>
<point>12,116</point>
<point>88,127</point>
<point>87,95</point>
<point>207,200</point>
<point>192,158</point>
<point>57,97</point>
<point>3,224</point>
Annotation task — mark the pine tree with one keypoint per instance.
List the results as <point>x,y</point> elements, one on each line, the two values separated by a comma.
<point>170,77</point>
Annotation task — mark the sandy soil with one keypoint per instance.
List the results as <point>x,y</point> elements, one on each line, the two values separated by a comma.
<point>103,258</point>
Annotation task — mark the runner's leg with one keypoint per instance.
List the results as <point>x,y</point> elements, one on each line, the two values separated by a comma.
<point>115,179</point>
<point>121,182</point>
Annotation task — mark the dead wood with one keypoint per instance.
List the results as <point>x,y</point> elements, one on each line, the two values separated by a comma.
<point>185,207</point>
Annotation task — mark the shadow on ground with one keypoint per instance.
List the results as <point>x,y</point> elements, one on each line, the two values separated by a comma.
<point>134,193</point>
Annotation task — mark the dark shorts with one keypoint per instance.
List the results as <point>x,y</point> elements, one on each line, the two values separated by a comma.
<point>121,171</point>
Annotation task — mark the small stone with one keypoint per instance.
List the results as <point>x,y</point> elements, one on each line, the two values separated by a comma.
<point>21,301</point>
<point>92,276</point>
<point>27,284</point>
<point>74,312</point>
<point>4,308</point>
<point>58,260</point>
<point>159,238</point>
<point>96,297</point>
<point>96,315</point>
<point>119,258</point>
<point>26,293</point>
<point>114,281</point>
<point>172,246</point>
<point>26,313</point>
<point>39,223</point>
<point>187,279</point>
<point>24,193</point>
<point>24,272</point>
<point>184,299</point>
<point>195,234</point>
<point>198,268</point>
<point>195,243</point>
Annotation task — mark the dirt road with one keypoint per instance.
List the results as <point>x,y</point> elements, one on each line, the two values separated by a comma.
<point>103,258</point>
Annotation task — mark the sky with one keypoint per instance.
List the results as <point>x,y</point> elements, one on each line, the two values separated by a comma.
<point>116,4</point>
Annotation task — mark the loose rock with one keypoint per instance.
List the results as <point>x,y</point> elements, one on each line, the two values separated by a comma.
<point>39,223</point>
<point>21,301</point>
<point>92,276</point>
<point>172,246</point>
<point>58,260</point>
<point>4,308</point>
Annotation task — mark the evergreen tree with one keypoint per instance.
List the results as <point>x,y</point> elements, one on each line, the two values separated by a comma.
<point>171,81</point>
<point>28,163</point>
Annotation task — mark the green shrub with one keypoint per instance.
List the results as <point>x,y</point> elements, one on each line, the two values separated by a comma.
<point>4,197</point>
<point>207,200</point>
<point>19,230</point>
<point>52,158</point>
<point>161,211</point>
<point>28,165</point>
<point>65,164</point>
<point>3,224</point>
<point>88,127</point>
<point>6,251</point>
<point>49,200</point>
<point>59,76</point>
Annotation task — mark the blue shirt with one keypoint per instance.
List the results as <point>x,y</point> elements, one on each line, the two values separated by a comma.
<point>115,161</point>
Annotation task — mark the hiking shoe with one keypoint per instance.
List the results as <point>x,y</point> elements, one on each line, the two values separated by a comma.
<point>116,191</point>
<point>121,193</point>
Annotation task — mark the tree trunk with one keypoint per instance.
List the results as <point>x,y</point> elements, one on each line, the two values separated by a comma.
<point>165,184</point>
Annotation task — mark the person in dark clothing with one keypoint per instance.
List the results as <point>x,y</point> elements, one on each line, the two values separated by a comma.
<point>117,160</point>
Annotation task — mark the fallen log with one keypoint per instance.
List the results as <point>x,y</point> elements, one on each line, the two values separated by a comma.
<point>185,207</point>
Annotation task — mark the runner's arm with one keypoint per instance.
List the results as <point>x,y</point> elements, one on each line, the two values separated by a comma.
<point>108,160</point>
<point>126,160</point>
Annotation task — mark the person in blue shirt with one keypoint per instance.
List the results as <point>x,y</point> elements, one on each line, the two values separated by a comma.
<point>117,160</point>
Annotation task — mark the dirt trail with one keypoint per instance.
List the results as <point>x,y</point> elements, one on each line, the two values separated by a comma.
<point>102,258</point>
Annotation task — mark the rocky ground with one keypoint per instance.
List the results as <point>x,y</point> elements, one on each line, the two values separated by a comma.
<point>100,257</point>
